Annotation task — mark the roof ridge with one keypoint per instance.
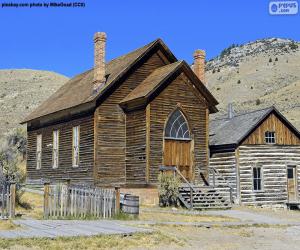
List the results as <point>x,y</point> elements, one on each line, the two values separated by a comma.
<point>245,113</point>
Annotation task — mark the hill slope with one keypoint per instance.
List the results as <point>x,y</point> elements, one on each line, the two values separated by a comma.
<point>256,75</point>
<point>21,91</point>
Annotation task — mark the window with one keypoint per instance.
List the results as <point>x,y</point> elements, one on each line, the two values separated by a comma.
<point>257,180</point>
<point>75,146</point>
<point>38,151</point>
<point>290,173</point>
<point>55,149</point>
<point>270,137</point>
<point>177,127</point>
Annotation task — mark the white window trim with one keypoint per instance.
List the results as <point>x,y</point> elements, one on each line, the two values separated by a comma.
<point>55,133</point>
<point>73,147</point>
<point>39,150</point>
<point>270,137</point>
<point>261,178</point>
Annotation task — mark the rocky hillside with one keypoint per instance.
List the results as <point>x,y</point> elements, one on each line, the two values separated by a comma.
<point>256,75</point>
<point>21,91</point>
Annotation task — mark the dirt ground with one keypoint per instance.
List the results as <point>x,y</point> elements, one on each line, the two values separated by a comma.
<point>233,238</point>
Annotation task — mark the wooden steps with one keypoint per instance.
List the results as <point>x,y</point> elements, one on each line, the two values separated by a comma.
<point>202,198</point>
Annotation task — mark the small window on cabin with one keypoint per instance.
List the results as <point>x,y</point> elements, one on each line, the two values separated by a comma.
<point>270,137</point>
<point>257,178</point>
<point>177,126</point>
<point>55,149</point>
<point>290,173</point>
<point>38,151</point>
<point>75,146</point>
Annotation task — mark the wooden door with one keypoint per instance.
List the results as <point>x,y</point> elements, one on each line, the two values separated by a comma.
<point>292,183</point>
<point>178,153</point>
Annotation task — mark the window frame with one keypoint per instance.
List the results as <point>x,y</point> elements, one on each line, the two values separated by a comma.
<point>55,134</point>
<point>170,126</point>
<point>39,150</point>
<point>261,179</point>
<point>269,138</point>
<point>73,146</point>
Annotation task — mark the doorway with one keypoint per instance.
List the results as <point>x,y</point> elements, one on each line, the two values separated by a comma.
<point>292,183</point>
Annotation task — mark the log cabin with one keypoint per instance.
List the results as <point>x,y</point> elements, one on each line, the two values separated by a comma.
<point>258,155</point>
<point>117,123</point>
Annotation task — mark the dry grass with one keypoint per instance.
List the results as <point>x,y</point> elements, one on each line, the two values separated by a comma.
<point>146,241</point>
<point>172,217</point>
<point>7,225</point>
<point>36,203</point>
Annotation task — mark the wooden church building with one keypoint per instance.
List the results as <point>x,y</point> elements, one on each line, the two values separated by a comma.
<point>117,123</point>
<point>258,155</point>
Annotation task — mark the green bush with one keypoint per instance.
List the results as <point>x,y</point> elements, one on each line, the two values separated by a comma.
<point>168,189</point>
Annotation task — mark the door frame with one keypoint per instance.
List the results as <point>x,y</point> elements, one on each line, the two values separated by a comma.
<point>192,149</point>
<point>295,175</point>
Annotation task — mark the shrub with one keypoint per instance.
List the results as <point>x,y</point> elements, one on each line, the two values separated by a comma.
<point>270,59</point>
<point>293,46</point>
<point>218,88</point>
<point>168,189</point>
<point>12,153</point>
<point>218,69</point>
<point>239,81</point>
<point>276,59</point>
<point>258,102</point>
<point>214,71</point>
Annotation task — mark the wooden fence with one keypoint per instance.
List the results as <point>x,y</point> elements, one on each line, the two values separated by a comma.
<point>61,201</point>
<point>7,200</point>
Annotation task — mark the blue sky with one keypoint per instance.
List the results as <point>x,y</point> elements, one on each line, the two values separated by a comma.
<point>61,39</point>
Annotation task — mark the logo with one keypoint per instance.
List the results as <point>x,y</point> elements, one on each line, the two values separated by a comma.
<point>283,7</point>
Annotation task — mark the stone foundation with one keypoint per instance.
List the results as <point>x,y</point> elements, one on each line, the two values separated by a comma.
<point>148,196</point>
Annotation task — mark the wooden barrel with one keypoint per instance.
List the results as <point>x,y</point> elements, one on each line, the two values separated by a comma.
<point>130,205</point>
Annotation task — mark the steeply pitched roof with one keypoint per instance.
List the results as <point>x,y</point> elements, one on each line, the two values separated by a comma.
<point>233,131</point>
<point>151,82</point>
<point>78,90</point>
<point>157,78</point>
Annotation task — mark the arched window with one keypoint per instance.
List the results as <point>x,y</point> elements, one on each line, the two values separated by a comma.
<point>177,127</point>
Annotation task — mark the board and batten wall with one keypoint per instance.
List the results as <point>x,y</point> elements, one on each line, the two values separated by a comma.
<point>284,136</point>
<point>81,174</point>
<point>110,146</point>
<point>180,94</point>
<point>274,160</point>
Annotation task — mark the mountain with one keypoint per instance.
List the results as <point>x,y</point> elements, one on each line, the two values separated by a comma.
<point>256,75</point>
<point>21,91</point>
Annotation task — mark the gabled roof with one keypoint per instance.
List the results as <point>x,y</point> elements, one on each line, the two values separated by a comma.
<point>78,90</point>
<point>153,83</point>
<point>234,131</point>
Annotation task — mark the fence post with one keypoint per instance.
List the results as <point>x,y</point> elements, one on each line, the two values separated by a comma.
<point>117,189</point>
<point>191,197</point>
<point>68,210</point>
<point>46,199</point>
<point>12,200</point>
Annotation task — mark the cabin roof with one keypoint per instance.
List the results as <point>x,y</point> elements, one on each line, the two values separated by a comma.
<point>78,90</point>
<point>225,131</point>
<point>158,77</point>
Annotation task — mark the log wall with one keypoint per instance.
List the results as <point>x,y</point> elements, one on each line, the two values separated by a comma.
<point>274,160</point>
<point>225,163</point>
<point>178,93</point>
<point>82,173</point>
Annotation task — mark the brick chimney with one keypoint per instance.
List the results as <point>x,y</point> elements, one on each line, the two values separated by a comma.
<point>99,60</point>
<point>199,64</point>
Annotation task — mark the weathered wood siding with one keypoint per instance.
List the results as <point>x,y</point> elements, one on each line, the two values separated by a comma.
<point>136,147</point>
<point>225,164</point>
<point>284,136</point>
<point>82,173</point>
<point>111,127</point>
<point>178,93</point>
<point>274,160</point>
